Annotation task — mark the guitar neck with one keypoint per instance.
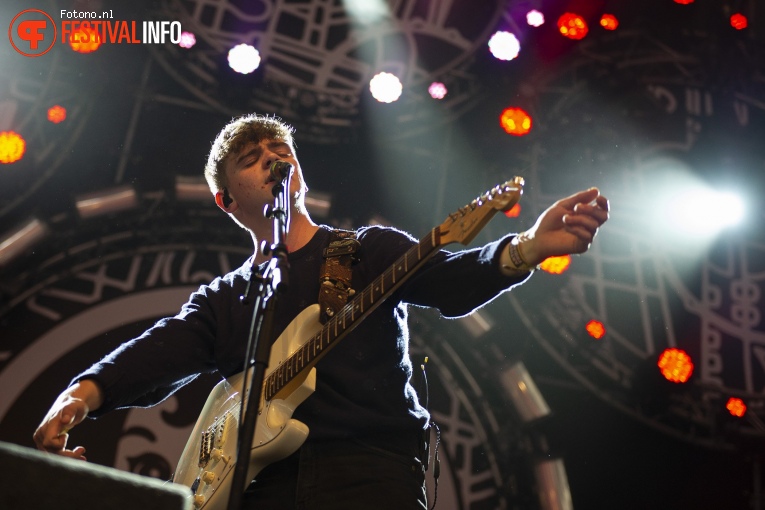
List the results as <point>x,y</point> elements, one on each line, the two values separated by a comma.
<point>352,314</point>
<point>461,226</point>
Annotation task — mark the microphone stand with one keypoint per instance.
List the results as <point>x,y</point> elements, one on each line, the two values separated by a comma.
<point>274,279</point>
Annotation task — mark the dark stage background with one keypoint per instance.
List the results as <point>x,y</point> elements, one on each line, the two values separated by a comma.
<point>671,100</point>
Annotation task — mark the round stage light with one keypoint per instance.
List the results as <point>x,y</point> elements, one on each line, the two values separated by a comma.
<point>243,58</point>
<point>385,87</point>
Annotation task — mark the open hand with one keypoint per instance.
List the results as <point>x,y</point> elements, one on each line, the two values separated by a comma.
<point>566,227</point>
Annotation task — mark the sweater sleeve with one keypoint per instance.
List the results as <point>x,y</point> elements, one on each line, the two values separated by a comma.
<point>146,370</point>
<point>455,283</point>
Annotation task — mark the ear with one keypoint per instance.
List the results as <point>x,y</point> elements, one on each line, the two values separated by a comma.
<point>225,202</point>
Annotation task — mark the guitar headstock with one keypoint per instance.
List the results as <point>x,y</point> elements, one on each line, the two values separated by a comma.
<point>464,224</point>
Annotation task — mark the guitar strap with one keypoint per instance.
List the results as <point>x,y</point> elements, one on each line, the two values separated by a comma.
<point>335,278</point>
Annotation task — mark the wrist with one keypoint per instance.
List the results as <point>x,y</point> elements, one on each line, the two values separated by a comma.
<point>514,258</point>
<point>87,391</point>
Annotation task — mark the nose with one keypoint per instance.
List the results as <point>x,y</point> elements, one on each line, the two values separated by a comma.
<point>270,158</point>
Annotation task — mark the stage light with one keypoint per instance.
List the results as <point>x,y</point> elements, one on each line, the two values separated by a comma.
<point>684,2</point>
<point>514,211</point>
<point>192,189</point>
<point>85,40</point>
<point>609,22</point>
<point>739,21</point>
<point>56,114</point>
<point>523,392</point>
<point>675,365</point>
<point>572,26</point>
<point>705,211</point>
<point>18,241</point>
<point>504,45</point>
<point>318,203</point>
<point>385,87</point>
<point>736,407</point>
<point>367,12</point>
<point>243,58</point>
<point>437,90</point>
<point>554,492</point>
<point>106,201</point>
<point>187,40</point>
<point>535,18</point>
<point>12,146</point>
<point>556,265</point>
<point>595,329</point>
<point>515,121</point>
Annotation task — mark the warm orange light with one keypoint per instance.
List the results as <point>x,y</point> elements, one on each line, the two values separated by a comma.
<point>609,22</point>
<point>84,40</point>
<point>572,26</point>
<point>596,329</point>
<point>514,211</point>
<point>515,121</point>
<point>12,147</point>
<point>739,21</point>
<point>556,265</point>
<point>56,114</point>
<point>675,365</point>
<point>736,407</point>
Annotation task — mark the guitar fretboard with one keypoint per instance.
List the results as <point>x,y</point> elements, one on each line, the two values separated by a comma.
<point>352,313</point>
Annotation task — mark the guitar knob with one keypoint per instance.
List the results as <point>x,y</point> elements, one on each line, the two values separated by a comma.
<point>208,477</point>
<point>216,454</point>
<point>199,500</point>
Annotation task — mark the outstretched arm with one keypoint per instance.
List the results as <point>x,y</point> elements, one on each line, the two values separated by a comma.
<point>68,411</point>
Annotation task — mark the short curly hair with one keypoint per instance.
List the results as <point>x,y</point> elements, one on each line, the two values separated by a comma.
<point>251,128</point>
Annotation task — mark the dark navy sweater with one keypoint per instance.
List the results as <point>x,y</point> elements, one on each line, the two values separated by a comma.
<point>362,385</point>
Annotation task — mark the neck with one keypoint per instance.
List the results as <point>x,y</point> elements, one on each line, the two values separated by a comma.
<point>301,230</point>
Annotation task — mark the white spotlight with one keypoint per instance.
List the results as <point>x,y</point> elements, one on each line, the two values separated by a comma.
<point>367,12</point>
<point>535,18</point>
<point>705,211</point>
<point>244,58</point>
<point>385,87</point>
<point>504,45</point>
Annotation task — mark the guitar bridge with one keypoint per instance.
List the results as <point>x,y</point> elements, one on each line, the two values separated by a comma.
<point>214,439</point>
<point>205,447</point>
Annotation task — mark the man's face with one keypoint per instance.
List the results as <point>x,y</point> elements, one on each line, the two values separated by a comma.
<point>249,177</point>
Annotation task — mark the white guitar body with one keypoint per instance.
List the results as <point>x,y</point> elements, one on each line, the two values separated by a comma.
<point>207,462</point>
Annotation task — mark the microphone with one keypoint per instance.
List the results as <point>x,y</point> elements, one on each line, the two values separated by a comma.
<point>280,170</point>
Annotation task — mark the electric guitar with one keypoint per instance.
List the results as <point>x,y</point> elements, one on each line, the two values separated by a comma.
<point>207,463</point>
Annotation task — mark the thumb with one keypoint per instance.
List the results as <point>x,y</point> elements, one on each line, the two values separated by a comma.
<point>72,414</point>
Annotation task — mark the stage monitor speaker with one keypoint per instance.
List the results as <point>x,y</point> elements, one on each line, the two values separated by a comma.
<point>34,480</point>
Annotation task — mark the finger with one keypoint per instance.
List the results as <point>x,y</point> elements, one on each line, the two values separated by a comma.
<point>581,242</point>
<point>599,214</point>
<point>583,197</point>
<point>584,221</point>
<point>76,453</point>
<point>603,203</point>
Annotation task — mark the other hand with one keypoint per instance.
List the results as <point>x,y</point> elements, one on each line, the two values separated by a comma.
<point>566,227</point>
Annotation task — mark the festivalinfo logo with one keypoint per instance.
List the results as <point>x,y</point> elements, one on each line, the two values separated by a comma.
<point>33,32</point>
